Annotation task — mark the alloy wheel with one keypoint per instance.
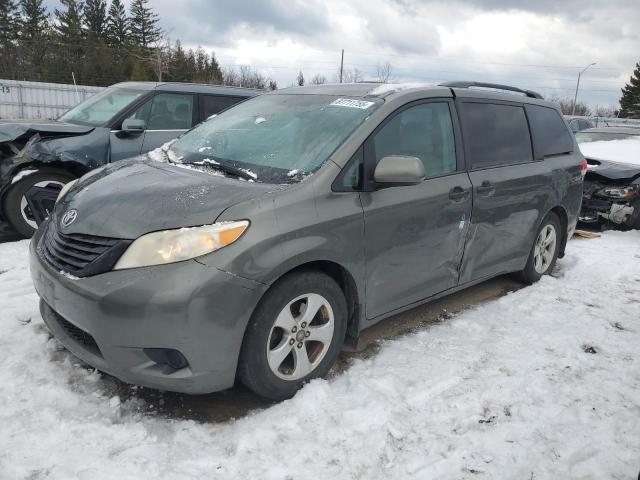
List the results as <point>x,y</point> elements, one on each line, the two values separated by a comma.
<point>300,337</point>
<point>25,209</point>
<point>544,249</point>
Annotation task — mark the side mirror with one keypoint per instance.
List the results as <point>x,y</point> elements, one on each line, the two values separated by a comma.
<point>397,170</point>
<point>133,126</point>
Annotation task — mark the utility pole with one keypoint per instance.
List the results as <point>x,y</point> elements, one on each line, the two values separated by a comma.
<point>575,97</point>
<point>341,64</point>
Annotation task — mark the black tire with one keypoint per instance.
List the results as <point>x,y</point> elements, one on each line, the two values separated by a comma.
<point>530,275</point>
<point>253,368</point>
<point>12,210</point>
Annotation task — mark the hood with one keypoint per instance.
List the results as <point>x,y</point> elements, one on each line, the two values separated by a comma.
<point>612,170</point>
<point>22,130</point>
<point>134,197</point>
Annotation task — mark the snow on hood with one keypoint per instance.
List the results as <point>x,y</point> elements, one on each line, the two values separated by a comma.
<point>621,151</point>
<point>130,198</point>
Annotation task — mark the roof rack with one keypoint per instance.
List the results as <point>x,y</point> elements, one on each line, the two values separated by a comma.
<point>497,86</point>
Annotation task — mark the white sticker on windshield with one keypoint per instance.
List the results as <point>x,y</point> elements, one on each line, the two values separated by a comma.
<point>350,102</point>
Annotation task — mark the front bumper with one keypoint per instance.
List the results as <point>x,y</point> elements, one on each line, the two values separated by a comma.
<point>107,320</point>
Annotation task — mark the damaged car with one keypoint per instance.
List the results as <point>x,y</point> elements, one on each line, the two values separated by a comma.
<point>38,157</point>
<point>611,197</point>
<point>259,242</point>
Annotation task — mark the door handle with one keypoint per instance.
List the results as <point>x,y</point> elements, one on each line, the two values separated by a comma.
<point>458,193</point>
<point>486,188</point>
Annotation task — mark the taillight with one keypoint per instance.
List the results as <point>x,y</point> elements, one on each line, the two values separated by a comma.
<point>584,166</point>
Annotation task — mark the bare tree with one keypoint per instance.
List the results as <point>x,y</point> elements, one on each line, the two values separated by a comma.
<point>384,72</point>
<point>606,111</point>
<point>157,56</point>
<point>245,76</point>
<point>318,79</point>
<point>161,54</point>
<point>350,76</point>
<point>566,106</point>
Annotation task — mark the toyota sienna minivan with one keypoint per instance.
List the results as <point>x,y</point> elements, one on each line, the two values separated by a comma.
<point>259,242</point>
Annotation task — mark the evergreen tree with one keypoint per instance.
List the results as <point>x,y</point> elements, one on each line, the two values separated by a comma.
<point>34,20</point>
<point>630,101</point>
<point>300,79</point>
<point>8,23</point>
<point>117,29</point>
<point>144,24</point>
<point>33,39</point>
<point>70,36</point>
<point>69,23</point>
<point>8,36</point>
<point>214,71</point>
<point>95,17</point>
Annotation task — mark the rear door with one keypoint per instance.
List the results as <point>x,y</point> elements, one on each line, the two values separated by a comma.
<point>414,235</point>
<point>510,187</point>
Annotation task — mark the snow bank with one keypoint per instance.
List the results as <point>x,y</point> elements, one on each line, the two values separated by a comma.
<point>623,151</point>
<point>504,390</point>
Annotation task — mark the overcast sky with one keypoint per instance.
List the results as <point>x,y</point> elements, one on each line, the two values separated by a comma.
<point>536,44</point>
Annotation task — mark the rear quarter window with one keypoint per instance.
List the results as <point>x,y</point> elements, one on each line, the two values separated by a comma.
<point>550,134</point>
<point>214,104</point>
<point>495,134</point>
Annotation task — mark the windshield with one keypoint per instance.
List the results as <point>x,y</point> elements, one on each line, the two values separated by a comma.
<point>276,138</point>
<point>102,107</point>
<point>585,137</point>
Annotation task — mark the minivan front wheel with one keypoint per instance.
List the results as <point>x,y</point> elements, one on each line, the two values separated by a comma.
<point>294,335</point>
<point>544,252</point>
<point>16,208</point>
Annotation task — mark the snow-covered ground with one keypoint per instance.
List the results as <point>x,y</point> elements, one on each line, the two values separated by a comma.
<point>507,390</point>
<point>626,150</point>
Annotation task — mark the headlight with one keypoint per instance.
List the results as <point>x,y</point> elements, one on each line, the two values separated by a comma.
<point>65,189</point>
<point>618,192</point>
<point>170,246</point>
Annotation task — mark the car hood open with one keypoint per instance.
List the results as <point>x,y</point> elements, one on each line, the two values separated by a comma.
<point>22,130</point>
<point>133,197</point>
<point>612,170</point>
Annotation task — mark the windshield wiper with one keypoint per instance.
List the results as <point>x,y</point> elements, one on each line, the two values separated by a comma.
<point>229,169</point>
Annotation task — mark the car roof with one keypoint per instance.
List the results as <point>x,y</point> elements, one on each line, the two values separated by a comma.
<point>191,88</point>
<point>388,90</point>
<point>613,129</point>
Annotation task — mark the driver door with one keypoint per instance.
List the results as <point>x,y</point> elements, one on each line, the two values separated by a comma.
<point>414,235</point>
<point>124,145</point>
<point>166,116</point>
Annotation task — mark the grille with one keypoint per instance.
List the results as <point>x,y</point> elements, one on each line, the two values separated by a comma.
<point>79,335</point>
<point>80,254</point>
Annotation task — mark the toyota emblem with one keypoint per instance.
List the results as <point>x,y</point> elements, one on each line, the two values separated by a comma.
<point>69,217</point>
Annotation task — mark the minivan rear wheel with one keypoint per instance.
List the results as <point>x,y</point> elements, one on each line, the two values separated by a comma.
<point>294,335</point>
<point>544,252</point>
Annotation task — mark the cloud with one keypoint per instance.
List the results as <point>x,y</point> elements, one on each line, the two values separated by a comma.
<point>541,44</point>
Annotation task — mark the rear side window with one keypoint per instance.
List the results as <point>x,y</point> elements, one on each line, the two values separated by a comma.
<point>495,134</point>
<point>214,104</point>
<point>550,135</point>
<point>424,131</point>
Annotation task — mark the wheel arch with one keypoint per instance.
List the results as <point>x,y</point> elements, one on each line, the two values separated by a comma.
<point>562,215</point>
<point>345,280</point>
